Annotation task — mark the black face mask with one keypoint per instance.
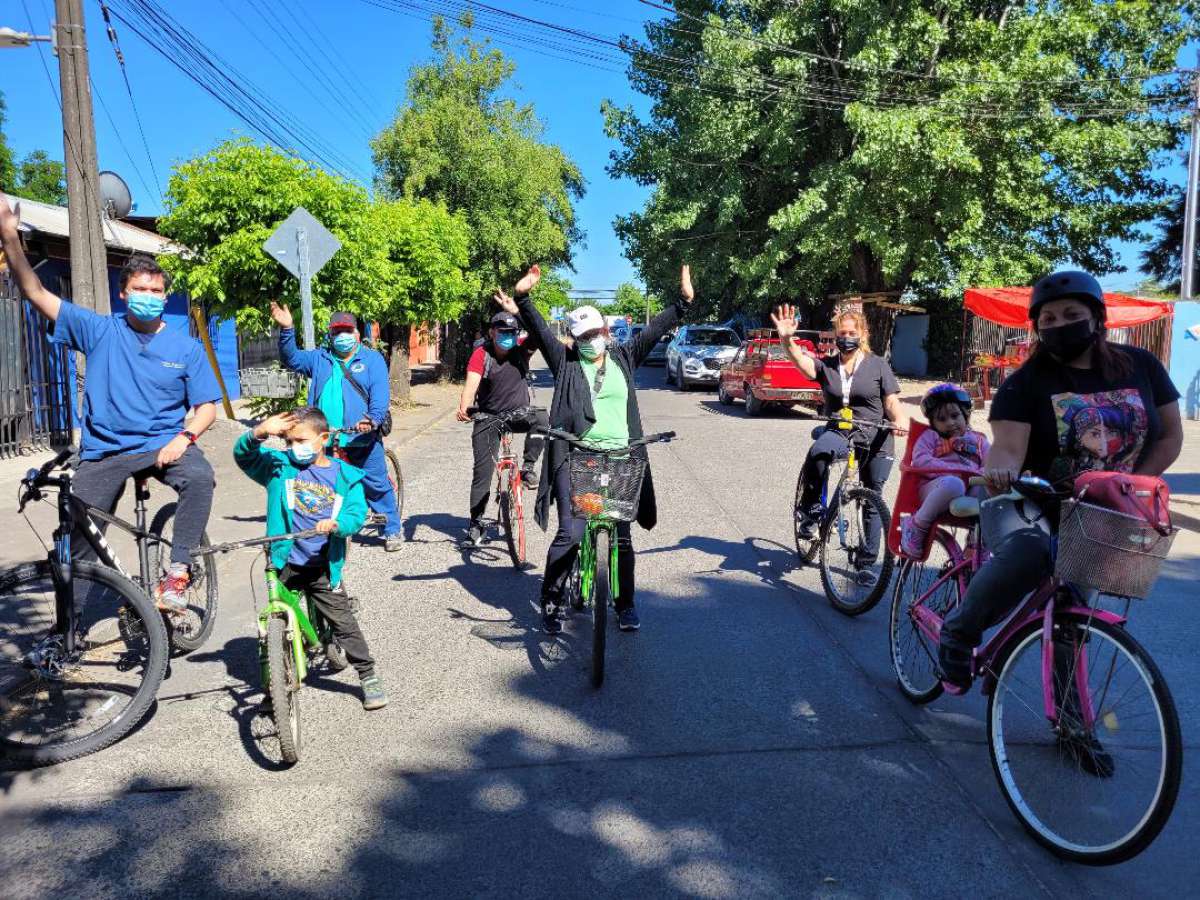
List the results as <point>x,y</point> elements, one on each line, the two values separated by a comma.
<point>847,344</point>
<point>1068,342</point>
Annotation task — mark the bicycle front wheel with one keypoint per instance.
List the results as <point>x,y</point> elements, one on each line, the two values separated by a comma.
<point>854,578</point>
<point>283,688</point>
<point>1099,786</point>
<point>601,591</point>
<point>918,591</point>
<point>512,517</point>
<point>57,705</point>
<point>190,627</point>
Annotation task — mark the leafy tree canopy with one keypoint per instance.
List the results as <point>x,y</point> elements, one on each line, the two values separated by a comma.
<point>632,301</point>
<point>1163,259</point>
<point>7,169</point>
<point>458,140</point>
<point>401,261</point>
<point>798,147</point>
<point>37,176</point>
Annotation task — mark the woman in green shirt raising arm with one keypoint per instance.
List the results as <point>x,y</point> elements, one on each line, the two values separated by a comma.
<point>595,398</point>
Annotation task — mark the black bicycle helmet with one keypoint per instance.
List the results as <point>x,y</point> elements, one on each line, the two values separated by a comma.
<point>1067,285</point>
<point>947,392</point>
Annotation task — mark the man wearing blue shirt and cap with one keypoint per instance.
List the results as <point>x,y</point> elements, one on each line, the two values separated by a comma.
<point>142,377</point>
<point>349,384</point>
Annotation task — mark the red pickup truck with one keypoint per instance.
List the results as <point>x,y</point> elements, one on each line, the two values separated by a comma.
<point>761,373</point>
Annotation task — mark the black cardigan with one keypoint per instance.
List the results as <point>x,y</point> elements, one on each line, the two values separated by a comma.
<point>571,410</point>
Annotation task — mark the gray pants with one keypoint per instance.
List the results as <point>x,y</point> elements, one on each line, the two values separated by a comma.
<point>1018,565</point>
<point>101,482</point>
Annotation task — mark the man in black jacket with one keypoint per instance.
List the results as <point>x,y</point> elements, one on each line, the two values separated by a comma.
<point>587,390</point>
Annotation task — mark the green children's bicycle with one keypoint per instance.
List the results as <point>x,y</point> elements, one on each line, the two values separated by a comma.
<point>606,486</point>
<point>292,634</point>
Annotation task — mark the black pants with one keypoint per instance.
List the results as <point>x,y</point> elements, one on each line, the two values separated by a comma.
<point>1019,564</point>
<point>874,470</point>
<point>334,605</point>
<point>485,440</point>
<point>101,482</point>
<point>565,547</point>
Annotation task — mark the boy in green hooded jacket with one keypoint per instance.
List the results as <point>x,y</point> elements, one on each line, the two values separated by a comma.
<point>306,489</point>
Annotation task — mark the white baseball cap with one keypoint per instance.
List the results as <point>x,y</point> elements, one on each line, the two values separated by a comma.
<point>585,319</point>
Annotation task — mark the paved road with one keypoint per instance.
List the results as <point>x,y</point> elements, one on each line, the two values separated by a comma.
<point>749,741</point>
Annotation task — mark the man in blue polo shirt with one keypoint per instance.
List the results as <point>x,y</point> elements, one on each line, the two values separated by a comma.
<point>142,378</point>
<point>349,384</point>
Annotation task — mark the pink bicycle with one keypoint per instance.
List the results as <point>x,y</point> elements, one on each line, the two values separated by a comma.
<point>1082,729</point>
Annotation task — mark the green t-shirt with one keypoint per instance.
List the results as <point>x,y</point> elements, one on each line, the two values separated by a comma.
<point>610,405</point>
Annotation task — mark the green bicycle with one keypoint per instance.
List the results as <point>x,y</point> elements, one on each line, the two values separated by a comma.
<point>290,630</point>
<point>606,486</point>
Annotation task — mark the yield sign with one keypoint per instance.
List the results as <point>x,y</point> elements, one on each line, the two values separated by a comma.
<point>284,244</point>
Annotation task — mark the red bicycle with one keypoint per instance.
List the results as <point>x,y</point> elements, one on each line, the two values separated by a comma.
<point>510,514</point>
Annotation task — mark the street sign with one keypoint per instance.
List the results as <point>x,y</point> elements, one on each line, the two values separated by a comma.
<point>302,245</point>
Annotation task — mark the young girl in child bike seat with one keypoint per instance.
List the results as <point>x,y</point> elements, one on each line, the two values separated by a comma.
<point>949,444</point>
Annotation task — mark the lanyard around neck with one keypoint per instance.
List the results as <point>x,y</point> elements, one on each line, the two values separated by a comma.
<point>848,377</point>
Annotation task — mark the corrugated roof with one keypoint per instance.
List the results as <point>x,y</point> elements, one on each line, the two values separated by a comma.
<point>46,218</point>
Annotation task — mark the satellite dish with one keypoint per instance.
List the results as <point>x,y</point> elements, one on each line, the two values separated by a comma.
<point>115,199</point>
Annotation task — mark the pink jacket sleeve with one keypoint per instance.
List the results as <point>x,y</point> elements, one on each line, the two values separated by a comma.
<point>923,455</point>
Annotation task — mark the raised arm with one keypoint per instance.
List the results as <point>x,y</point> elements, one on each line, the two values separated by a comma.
<point>290,354</point>
<point>522,306</point>
<point>44,301</point>
<point>665,320</point>
<point>785,324</point>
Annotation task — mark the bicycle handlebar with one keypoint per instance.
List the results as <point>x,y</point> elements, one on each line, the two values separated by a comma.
<point>574,441</point>
<point>254,542</point>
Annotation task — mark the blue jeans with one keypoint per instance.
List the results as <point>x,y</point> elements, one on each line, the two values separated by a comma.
<point>376,485</point>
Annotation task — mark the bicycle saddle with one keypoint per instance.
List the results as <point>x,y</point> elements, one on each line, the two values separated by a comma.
<point>964,507</point>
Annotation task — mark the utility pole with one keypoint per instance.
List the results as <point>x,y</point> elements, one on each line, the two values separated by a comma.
<point>89,258</point>
<point>1187,279</point>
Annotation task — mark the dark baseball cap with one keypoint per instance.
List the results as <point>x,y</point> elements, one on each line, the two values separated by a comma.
<point>505,320</point>
<point>342,321</point>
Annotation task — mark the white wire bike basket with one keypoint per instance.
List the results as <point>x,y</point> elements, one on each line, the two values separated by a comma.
<point>1110,551</point>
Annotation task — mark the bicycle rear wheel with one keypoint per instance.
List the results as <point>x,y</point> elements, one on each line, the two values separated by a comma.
<point>512,517</point>
<point>54,705</point>
<point>914,653</point>
<point>601,590</point>
<point>1095,794</point>
<point>396,477</point>
<point>854,581</point>
<point>190,628</point>
<point>283,688</point>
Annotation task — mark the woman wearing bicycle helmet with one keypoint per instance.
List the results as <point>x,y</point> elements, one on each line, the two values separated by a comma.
<point>857,379</point>
<point>949,445</point>
<point>1054,418</point>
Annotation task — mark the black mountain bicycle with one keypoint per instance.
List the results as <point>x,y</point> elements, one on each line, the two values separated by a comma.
<point>83,649</point>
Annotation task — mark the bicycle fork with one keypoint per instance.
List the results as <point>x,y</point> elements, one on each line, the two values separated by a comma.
<point>282,602</point>
<point>587,561</point>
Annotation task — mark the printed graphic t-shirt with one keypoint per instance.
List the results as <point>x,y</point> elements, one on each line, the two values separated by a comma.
<point>314,499</point>
<point>1081,422</point>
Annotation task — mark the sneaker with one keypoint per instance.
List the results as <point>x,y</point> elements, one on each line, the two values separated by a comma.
<point>955,669</point>
<point>171,592</point>
<point>913,538</point>
<point>474,536</point>
<point>373,693</point>
<point>393,542</point>
<point>551,619</point>
<point>809,520</point>
<point>529,479</point>
<point>1088,754</point>
<point>627,619</point>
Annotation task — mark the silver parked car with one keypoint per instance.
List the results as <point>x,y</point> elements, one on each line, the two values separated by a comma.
<point>697,352</point>
<point>658,353</point>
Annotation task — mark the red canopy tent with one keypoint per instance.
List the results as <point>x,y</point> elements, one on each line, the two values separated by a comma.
<point>1010,307</point>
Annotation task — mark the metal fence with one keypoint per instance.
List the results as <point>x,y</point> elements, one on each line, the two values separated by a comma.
<point>35,379</point>
<point>259,350</point>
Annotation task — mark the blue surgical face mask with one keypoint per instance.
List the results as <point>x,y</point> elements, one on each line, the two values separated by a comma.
<point>301,454</point>
<point>145,307</point>
<point>506,341</point>
<point>344,342</point>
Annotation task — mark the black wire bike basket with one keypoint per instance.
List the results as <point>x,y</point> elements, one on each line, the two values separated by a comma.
<point>603,484</point>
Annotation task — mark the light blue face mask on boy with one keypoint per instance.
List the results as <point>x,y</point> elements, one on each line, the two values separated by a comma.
<point>145,307</point>
<point>301,454</point>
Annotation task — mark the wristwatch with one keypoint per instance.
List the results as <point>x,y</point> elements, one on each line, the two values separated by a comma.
<point>190,435</point>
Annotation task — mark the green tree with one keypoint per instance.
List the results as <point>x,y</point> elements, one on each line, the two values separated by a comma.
<point>401,262</point>
<point>633,301</point>
<point>41,178</point>
<point>459,140</point>
<point>802,147</point>
<point>1163,259</point>
<point>7,169</point>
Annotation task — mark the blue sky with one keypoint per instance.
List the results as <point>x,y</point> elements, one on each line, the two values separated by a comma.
<point>371,46</point>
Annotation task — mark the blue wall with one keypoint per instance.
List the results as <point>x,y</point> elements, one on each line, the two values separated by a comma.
<point>1185,357</point>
